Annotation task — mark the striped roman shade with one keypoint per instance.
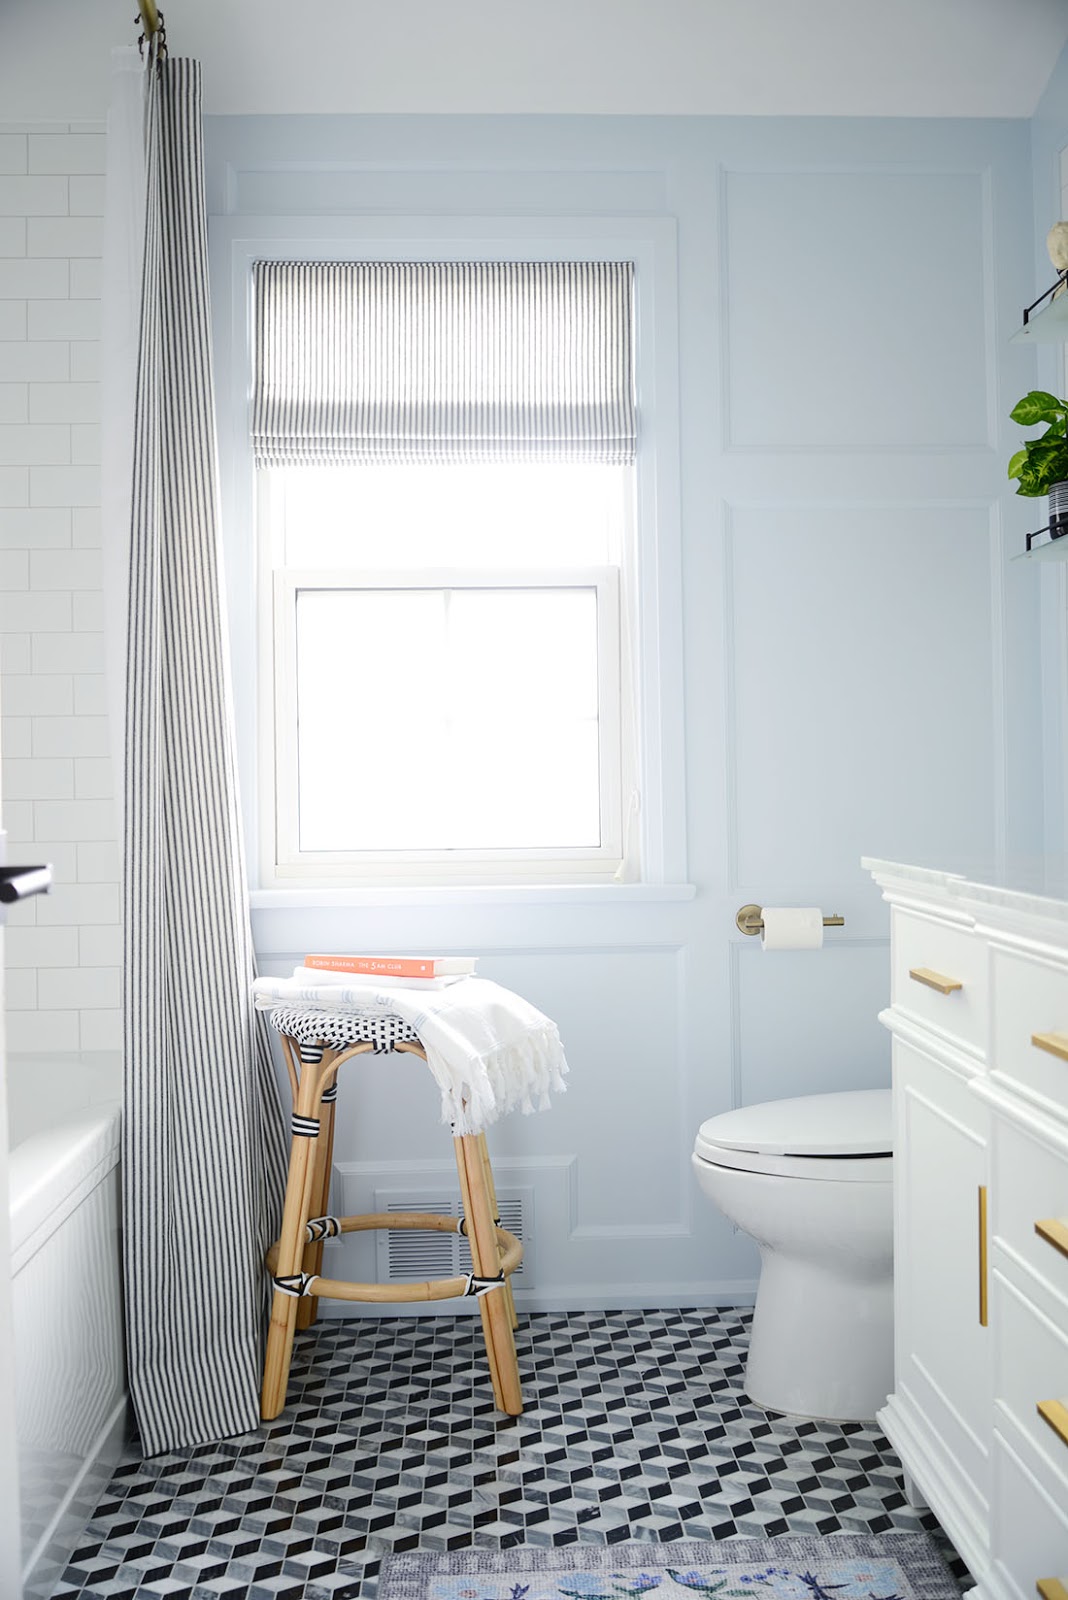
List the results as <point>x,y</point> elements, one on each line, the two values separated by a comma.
<point>438,361</point>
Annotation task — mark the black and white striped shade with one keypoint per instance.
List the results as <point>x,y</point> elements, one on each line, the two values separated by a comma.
<point>443,361</point>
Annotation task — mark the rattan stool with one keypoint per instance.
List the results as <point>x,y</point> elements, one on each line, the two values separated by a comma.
<point>295,1259</point>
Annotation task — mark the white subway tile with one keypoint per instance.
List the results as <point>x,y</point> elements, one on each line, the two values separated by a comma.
<point>70,652</point>
<point>20,989</point>
<point>85,276</point>
<point>100,946</point>
<point>87,528</point>
<point>12,236</point>
<point>23,914</point>
<point>15,737</point>
<point>63,319</point>
<point>34,445</point>
<point>74,819</point>
<point>86,197</point>
<point>14,569</point>
<point>64,402</point>
<point>87,615</point>
<point>94,778</point>
<point>71,988</point>
<point>79,903</point>
<point>65,569</point>
<point>65,486</point>
<point>62,857</point>
<point>34,278</point>
<point>85,443</point>
<point>65,152</point>
<point>37,694</point>
<point>14,402</point>
<point>43,1032</point>
<point>15,653</point>
<point>64,236</point>
<point>13,320</point>
<point>18,819</point>
<point>12,153</point>
<point>34,197</point>
<point>14,486</point>
<point>98,863</point>
<point>40,528</point>
<point>85,361</point>
<point>38,780</point>
<point>90,695</point>
<point>100,1030</point>
<point>40,613</point>
<point>43,947</point>
<point>70,736</point>
<point>21,362</point>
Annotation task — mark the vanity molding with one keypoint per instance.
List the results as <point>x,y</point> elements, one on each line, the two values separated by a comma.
<point>979,1412</point>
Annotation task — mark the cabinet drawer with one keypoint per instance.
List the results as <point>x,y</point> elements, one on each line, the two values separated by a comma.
<point>1029,1184</point>
<point>925,952</point>
<point>1031,1000</point>
<point>1030,1533</point>
<point>1031,1365</point>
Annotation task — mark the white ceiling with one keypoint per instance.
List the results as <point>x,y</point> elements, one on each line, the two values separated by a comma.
<point>958,58</point>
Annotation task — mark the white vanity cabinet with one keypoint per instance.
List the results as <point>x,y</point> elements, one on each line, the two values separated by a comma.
<point>979,1412</point>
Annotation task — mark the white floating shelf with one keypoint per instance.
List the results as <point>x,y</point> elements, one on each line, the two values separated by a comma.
<point>1052,550</point>
<point>1047,326</point>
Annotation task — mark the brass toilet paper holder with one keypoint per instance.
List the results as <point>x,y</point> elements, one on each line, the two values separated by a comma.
<point>750,919</point>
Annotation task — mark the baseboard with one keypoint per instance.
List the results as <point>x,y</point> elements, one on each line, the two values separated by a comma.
<point>593,1297</point>
<point>53,1550</point>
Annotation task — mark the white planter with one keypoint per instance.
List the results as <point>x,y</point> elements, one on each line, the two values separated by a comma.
<point>1058,509</point>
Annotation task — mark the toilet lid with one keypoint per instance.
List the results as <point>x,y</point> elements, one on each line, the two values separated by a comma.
<point>855,1123</point>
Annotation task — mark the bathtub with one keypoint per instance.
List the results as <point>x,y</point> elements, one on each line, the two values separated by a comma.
<point>63,1114</point>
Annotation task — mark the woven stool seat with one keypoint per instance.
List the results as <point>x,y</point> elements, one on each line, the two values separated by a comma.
<point>319,1034</point>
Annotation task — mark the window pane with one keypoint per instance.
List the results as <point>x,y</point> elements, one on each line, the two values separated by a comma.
<point>479,516</point>
<point>460,719</point>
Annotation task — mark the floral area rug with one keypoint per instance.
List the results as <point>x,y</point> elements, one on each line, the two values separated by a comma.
<point>891,1566</point>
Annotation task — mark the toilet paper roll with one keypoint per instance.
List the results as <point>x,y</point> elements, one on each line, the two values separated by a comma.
<point>792,928</point>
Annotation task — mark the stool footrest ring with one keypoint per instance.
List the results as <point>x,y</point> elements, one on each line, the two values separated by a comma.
<point>299,1284</point>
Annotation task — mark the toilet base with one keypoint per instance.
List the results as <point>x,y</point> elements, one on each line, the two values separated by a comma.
<point>836,1364</point>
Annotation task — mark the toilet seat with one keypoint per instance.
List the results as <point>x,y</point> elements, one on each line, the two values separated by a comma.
<point>837,1138</point>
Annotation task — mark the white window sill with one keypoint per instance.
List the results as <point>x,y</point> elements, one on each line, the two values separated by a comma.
<point>480,894</point>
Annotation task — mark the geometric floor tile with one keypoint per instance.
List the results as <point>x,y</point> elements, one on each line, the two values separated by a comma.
<point>635,1426</point>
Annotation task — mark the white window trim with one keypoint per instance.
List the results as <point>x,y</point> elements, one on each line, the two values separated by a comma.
<point>279,773</point>
<point>650,242</point>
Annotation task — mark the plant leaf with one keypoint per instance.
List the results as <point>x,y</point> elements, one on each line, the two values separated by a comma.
<point>1038,406</point>
<point>1016,464</point>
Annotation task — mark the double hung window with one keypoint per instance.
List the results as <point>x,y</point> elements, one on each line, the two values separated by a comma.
<point>444,457</point>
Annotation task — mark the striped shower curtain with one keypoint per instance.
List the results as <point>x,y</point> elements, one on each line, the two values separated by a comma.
<point>204,1151</point>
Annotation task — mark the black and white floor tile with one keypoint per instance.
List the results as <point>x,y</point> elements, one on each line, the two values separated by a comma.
<point>636,1426</point>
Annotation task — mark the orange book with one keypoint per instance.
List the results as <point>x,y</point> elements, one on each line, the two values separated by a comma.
<point>395,966</point>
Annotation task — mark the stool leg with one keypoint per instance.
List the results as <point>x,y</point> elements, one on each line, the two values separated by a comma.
<point>483,1150</point>
<point>496,1318</point>
<point>308,1305</point>
<point>295,1214</point>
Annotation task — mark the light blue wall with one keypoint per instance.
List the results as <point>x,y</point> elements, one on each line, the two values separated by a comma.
<point>1049,136</point>
<point>860,661</point>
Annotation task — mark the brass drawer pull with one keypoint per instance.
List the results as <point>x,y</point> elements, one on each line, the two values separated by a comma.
<point>935,980</point>
<point>1051,1589</point>
<point>1055,1233</point>
<point>1055,1412</point>
<point>1055,1043</point>
<point>982,1257</point>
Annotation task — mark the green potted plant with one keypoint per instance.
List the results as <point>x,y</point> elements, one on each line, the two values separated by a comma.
<point>1041,467</point>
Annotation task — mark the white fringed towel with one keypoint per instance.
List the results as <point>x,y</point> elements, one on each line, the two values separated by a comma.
<point>490,1051</point>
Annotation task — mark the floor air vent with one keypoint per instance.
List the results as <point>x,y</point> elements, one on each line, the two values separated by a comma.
<point>406,1255</point>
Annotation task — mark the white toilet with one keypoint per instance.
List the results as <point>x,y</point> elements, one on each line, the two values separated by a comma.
<point>811,1181</point>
